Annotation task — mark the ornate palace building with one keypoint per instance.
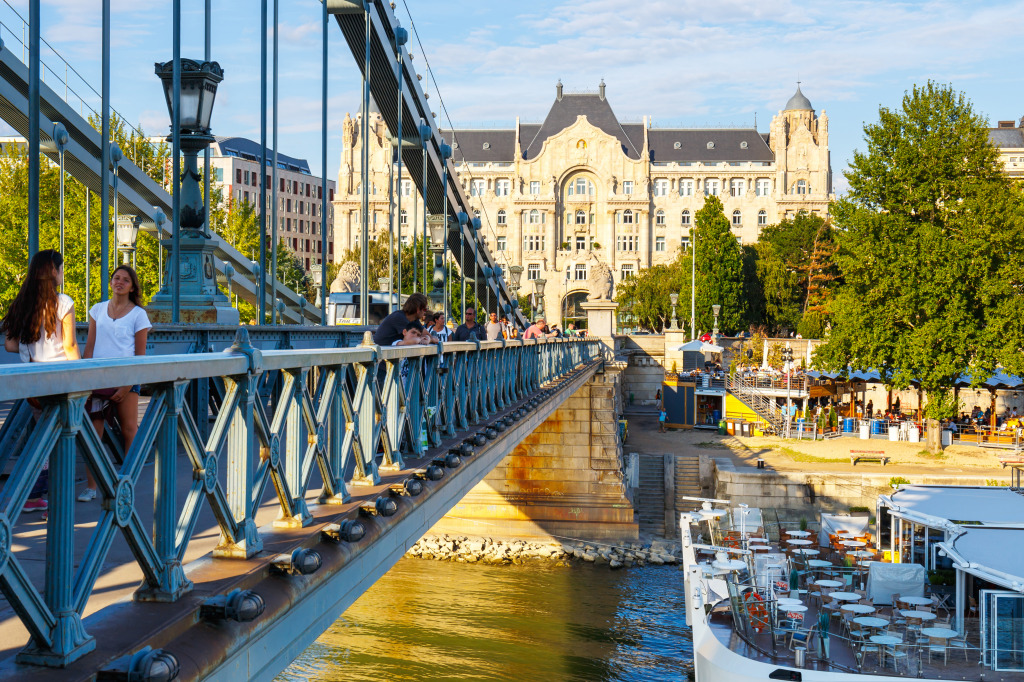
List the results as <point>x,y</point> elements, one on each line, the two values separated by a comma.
<point>582,186</point>
<point>1008,138</point>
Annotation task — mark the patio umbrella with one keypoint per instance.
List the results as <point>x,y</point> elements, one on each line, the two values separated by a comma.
<point>794,580</point>
<point>823,622</point>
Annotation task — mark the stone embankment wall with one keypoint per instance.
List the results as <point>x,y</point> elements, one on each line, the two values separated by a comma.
<point>812,492</point>
<point>497,552</point>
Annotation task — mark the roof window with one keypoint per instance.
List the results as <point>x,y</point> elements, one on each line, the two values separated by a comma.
<point>743,144</point>
<point>711,145</point>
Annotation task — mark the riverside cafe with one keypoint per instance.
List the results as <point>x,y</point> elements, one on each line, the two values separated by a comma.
<point>695,398</point>
<point>978,531</point>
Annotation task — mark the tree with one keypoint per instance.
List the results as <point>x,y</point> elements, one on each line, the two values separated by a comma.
<point>719,268</point>
<point>821,278</point>
<point>930,257</point>
<point>645,296</point>
<point>784,266</point>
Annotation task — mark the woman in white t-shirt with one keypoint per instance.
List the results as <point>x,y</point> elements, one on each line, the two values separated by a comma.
<point>118,328</point>
<point>40,327</point>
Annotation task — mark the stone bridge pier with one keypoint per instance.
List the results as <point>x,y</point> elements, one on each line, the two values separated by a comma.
<point>564,481</point>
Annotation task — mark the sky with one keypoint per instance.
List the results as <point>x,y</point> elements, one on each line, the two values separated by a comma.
<point>684,63</point>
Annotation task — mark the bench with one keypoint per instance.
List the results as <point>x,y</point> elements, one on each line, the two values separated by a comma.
<point>876,455</point>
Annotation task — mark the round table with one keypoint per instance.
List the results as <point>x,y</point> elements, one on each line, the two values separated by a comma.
<point>871,622</point>
<point>844,596</point>
<point>915,601</point>
<point>857,608</point>
<point>806,551</point>
<point>799,543</point>
<point>884,640</point>
<point>758,540</point>
<point>795,608</point>
<point>854,543</point>
<point>860,553</point>
<point>831,584</point>
<point>788,601</point>
<point>917,615</point>
<point>938,633</point>
<point>798,533</point>
<point>818,563</point>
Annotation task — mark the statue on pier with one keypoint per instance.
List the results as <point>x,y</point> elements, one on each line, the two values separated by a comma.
<point>599,280</point>
<point>347,279</point>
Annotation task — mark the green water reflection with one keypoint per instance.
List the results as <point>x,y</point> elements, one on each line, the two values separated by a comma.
<point>430,620</point>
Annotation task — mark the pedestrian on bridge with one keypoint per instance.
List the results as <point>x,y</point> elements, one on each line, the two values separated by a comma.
<point>493,328</point>
<point>40,327</point>
<point>118,328</point>
<point>537,330</point>
<point>469,329</point>
<point>392,327</point>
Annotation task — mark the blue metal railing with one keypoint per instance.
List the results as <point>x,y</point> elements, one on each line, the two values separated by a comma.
<point>349,412</point>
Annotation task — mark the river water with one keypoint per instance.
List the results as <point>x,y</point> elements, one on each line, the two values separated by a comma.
<point>434,620</point>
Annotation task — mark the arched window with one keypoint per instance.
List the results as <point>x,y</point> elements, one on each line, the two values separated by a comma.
<point>737,218</point>
<point>627,217</point>
<point>535,217</point>
<point>502,219</point>
<point>685,219</point>
<point>762,218</point>
<point>581,217</point>
<point>659,217</point>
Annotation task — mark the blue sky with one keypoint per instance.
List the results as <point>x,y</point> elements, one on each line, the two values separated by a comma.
<point>681,62</point>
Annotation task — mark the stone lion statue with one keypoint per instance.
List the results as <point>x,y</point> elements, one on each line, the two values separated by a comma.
<point>347,279</point>
<point>599,281</point>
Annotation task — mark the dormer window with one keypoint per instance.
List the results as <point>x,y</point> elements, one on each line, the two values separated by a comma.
<point>711,145</point>
<point>743,145</point>
<point>487,145</point>
<point>677,145</point>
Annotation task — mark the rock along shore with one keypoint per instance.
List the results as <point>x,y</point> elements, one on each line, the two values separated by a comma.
<point>485,550</point>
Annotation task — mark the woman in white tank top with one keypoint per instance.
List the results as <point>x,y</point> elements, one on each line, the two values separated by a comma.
<point>40,327</point>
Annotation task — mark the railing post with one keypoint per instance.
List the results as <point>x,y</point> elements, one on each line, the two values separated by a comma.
<point>243,453</point>
<point>336,428</point>
<point>68,640</point>
<point>173,582</point>
<point>364,418</point>
<point>293,452</point>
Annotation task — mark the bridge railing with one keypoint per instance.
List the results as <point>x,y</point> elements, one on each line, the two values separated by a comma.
<point>349,412</point>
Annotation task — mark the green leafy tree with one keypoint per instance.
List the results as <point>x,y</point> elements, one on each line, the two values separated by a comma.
<point>719,269</point>
<point>784,267</point>
<point>930,256</point>
<point>644,298</point>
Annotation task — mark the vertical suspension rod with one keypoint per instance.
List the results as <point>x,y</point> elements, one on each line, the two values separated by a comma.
<point>33,126</point>
<point>323,175</point>
<point>274,203</point>
<point>261,285</point>
<point>364,217</point>
<point>175,269</point>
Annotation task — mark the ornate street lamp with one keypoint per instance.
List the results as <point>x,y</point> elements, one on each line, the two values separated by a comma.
<point>438,238</point>
<point>714,333</point>
<point>675,300</point>
<point>127,231</point>
<point>196,278</point>
<point>515,272</point>
<point>538,292</point>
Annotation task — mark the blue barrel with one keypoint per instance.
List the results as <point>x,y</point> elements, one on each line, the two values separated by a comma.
<point>849,424</point>
<point>878,427</point>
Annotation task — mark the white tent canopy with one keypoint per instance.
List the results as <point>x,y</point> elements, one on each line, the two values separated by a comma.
<point>830,523</point>
<point>938,505</point>
<point>884,580</point>
<point>698,346</point>
<point>991,553</point>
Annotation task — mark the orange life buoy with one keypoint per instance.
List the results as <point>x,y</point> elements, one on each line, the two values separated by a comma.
<point>757,611</point>
<point>730,541</point>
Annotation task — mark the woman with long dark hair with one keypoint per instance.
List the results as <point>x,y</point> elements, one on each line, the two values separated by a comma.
<point>40,327</point>
<point>118,328</point>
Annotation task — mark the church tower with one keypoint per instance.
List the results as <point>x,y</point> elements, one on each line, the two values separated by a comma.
<point>799,140</point>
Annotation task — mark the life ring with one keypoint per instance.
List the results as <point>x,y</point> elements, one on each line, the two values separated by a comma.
<point>756,610</point>
<point>730,541</point>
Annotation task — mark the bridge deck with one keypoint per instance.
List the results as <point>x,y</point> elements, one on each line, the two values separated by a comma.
<point>298,609</point>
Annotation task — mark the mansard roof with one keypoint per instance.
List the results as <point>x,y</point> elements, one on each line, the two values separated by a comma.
<point>568,107</point>
<point>727,144</point>
<point>1008,138</point>
<point>481,146</point>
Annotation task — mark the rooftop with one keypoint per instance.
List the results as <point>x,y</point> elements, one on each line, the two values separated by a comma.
<point>243,148</point>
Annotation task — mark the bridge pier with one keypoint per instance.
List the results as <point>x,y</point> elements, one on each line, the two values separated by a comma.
<point>564,481</point>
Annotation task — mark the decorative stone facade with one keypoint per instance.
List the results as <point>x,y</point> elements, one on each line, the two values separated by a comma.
<point>583,185</point>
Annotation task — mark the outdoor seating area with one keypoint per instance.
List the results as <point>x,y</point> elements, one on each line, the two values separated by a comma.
<point>827,598</point>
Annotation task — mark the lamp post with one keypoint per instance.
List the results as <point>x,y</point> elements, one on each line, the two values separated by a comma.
<point>190,293</point>
<point>463,219</point>
<point>438,234</point>
<point>515,273</point>
<point>787,358</point>
<point>488,274</point>
<point>127,231</point>
<point>675,300</point>
<point>159,219</point>
<point>538,292</point>
<point>714,332</point>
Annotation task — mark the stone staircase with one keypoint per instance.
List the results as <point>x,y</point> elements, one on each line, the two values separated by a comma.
<point>687,482</point>
<point>650,495</point>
